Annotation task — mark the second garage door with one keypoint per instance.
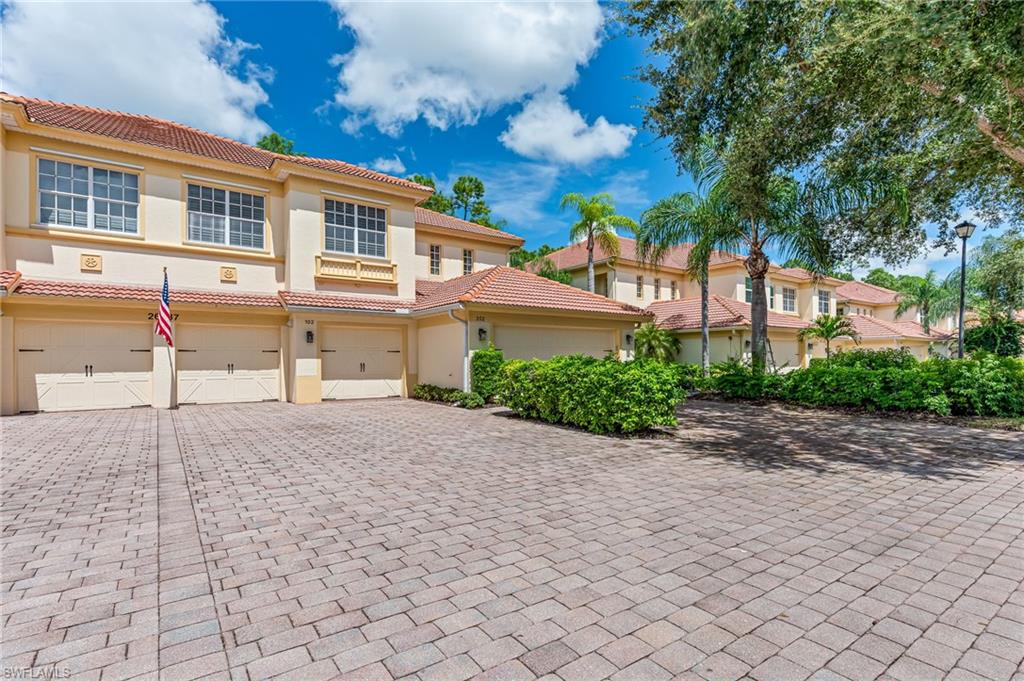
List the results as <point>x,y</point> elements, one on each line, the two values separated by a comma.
<point>534,342</point>
<point>361,362</point>
<point>228,363</point>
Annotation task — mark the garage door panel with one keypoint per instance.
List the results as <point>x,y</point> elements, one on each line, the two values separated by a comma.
<point>64,366</point>
<point>361,363</point>
<point>531,342</point>
<point>228,364</point>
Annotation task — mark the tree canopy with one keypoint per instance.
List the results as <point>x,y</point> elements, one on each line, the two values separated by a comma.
<point>926,93</point>
<point>278,144</point>
<point>467,200</point>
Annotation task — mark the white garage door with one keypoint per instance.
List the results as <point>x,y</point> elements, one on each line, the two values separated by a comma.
<point>64,366</point>
<point>537,342</point>
<point>228,363</point>
<point>357,362</point>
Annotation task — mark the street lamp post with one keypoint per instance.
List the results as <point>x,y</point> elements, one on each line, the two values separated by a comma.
<point>964,230</point>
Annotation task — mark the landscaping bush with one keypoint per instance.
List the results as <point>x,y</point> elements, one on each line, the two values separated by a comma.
<point>1001,336</point>
<point>889,358</point>
<point>484,371</point>
<point>435,393</point>
<point>738,381</point>
<point>984,384</point>
<point>598,395</point>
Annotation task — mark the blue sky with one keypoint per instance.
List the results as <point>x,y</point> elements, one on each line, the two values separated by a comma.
<point>536,99</point>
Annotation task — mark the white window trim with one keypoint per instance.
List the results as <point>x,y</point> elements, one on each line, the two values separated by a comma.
<point>828,301</point>
<point>90,203</point>
<point>430,260</point>
<point>640,287</point>
<point>472,261</point>
<point>355,253</point>
<point>80,157</point>
<point>784,308</point>
<point>227,225</point>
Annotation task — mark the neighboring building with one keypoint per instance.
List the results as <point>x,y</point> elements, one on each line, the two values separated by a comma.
<point>876,333</point>
<point>873,310</point>
<point>291,278</point>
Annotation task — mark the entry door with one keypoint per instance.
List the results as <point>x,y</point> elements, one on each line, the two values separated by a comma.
<point>228,363</point>
<point>358,362</point>
<point>66,366</point>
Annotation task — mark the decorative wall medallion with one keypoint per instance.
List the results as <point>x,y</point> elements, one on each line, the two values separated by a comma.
<point>91,263</point>
<point>229,274</point>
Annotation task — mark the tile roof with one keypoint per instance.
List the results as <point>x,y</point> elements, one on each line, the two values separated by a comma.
<point>451,223</point>
<point>342,302</point>
<point>873,327</point>
<point>507,286</point>
<point>166,134</point>
<point>9,279</point>
<point>84,289</point>
<point>863,292</point>
<point>722,312</point>
<point>424,287</point>
<point>575,255</point>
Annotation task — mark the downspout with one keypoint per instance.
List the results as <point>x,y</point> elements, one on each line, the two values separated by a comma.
<point>465,349</point>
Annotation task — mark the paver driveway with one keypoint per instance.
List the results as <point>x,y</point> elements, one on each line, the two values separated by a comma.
<point>386,539</point>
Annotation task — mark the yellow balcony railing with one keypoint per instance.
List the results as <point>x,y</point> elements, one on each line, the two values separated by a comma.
<point>347,269</point>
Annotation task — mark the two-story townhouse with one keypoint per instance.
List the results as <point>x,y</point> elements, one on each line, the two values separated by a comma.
<point>873,312</point>
<point>291,278</point>
<point>795,298</point>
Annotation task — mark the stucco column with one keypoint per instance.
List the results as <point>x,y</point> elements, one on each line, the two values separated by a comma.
<point>165,385</point>
<point>8,405</point>
<point>304,360</point>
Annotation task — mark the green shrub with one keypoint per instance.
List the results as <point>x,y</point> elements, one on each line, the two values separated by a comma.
<point>889,358</point>
<point>738,381</point>
<point>1001,336</point>
<point>691,377</point>
<point>598,395</point>
<point>984,384</point>
<point>435,393</point>
<point>484,370</point>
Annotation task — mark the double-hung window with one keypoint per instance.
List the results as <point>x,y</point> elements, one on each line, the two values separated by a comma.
<point>355,229</point>
<point>224,216</point>
<point>467,261</point>
<point>748,293</point>
<point>86,197</point>
<point>771,297</point>
<point>788,299</point>
<point>657,288</point>
<point>675,290</point>
<point>640,286</point>
<point>435,259</point>
<point>824,303</point>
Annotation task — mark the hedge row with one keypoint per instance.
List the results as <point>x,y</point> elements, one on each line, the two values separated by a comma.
<point>982,385</point>
<point>435,393</point>
<point>598,395</point>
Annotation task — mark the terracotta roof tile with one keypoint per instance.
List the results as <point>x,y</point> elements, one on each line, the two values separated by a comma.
<point>454,224</point>
<point>863,292</point>
<point>507,286</point>
<point>424,287</point>
<point>873,327</point>
<point>341,302</point>
<point>722,312</point>
<point>575,255</point>
<point>9,279</point>
<point>166,134</point>
<point>84,289</point>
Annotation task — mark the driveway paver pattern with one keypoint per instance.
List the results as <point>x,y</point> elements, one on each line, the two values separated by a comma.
<point>396,539</point>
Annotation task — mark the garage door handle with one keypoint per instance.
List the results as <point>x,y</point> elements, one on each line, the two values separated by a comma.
<point>30,349</point>
<point>140,350</point>
<point>184,350</point>
<point>270,351</point>
<point>397,352</point>
<point>322,350</point>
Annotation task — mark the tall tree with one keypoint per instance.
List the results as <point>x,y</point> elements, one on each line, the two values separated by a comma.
<point>829,327</point>
<point>437,201</point>
<point>467,192</point>
<point>690,217</point>
<point>996,275</point>
<point>880,276</point>
<point>278,144</point>
<point>926,92</point>
<point>933,299</point>
<point>596,225</point>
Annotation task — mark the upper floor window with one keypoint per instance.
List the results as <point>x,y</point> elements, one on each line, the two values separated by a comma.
<point>75,195</point>
<point>675,290</point>
<point>824,302</point>
<point>435,259</point>
<point>355,229</point>
<point>640,286</point>
<point>467,261</point>
<point>771,297</point>
<point>748,294</point>
<point>657,288</point>
<point>788,299</point>
<point>222,216</point>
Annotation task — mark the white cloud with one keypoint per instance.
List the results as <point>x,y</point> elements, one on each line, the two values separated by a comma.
<point>171,60</point>
<point>628,188</point>
<point>547,128</point>
<point>516,191</point>
<point>391,165</point>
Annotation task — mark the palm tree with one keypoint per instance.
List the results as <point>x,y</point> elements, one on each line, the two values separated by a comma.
<point>933,299</point>
<point>685,217</point>
<point>654,343</point>
<point>828,327</point>
<point>597,224</point>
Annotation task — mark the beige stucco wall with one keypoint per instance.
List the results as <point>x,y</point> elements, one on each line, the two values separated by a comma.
<point>440,348</point>
<point>727,345</point>
<point>485,255</point>
<point>917,347</point>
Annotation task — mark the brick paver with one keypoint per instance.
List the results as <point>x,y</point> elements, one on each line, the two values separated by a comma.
<point>381,539</point>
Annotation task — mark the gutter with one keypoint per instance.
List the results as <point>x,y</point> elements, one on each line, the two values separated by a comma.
<point>465,347</point>
<point>401,312</point>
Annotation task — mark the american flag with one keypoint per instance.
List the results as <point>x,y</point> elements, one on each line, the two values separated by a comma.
<point>163,318</point>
